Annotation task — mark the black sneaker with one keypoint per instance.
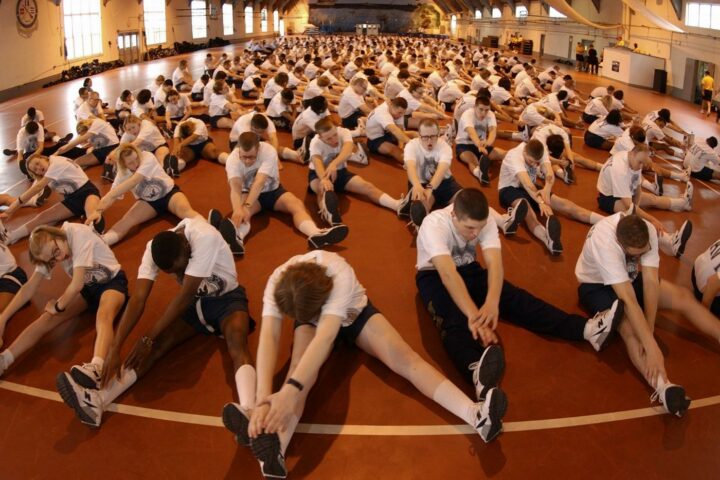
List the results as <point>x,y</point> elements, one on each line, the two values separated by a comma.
<point>484,170</point>
<point>329,236</point>
<point>9,152</point>
<point>516,215</point>
<point>108,172</point>
<point>42,198</point>
<point>553,230</point>
<point>66,138</point>
<point>490,413</point>
<point>329,210</point>
<point>569,173</point>
<point>214,218</point>
<point>404,208</point>
<point>659,181</point>
<point>266,448</point>
<point>171,166</point>
<point>417,213</point>
<point>488,371</point>
<point>681,238</point>
<point>99,225</point>
<point>237,422</point>
<point>673,399</point>
<point>228,232</point>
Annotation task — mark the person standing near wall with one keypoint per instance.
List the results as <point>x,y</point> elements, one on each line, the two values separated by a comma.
<point>580,57</point>
<point>706,84</point>
<point>592,60</point>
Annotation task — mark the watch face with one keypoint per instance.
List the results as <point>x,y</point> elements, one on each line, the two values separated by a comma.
<point>26,12</point>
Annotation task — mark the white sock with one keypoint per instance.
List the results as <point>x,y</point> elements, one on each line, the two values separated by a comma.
<point>288,154</point>
<point>665,242</point>
<point>55,139</point>
<point>245,381</point>
<point>388,202</point>
<point>117,387</point>
<point>286,436</point>
<point>648,185</point>
<point>181,164</point>
<point>17,234</point>
<point>8,357</point>
<point>499,219</point>
<point>309,228</point>
<point>540,233</point>
<point>678,204</point>
<point>661,383</point>
<point>111,237</point>
<point>595,218</point>
<point>452,399</point>
<point>222,158</point>
<point>243,230</point>
<point>98,361</point>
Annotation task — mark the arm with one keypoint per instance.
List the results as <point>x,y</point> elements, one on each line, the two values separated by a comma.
<point>73,143</point>
<point>267,353</point>
<point>236,200</point>
<point>488,314</point>
<point>36,188</point>
<point>418,192</point>
<point>711,291</point>
<point>72,290</point>
<point>178,305</point>
<point>398,133</point>
<point>344,154</point>
<point>26,292</point>
<point>530,187</point>
<point>651,290</point>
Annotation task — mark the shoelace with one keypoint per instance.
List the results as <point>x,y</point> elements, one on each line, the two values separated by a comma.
<point>655,397</point>
<point>475,367</point>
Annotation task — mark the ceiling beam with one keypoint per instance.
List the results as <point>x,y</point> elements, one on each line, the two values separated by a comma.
<point>678,7</point>
<point>597,5</point>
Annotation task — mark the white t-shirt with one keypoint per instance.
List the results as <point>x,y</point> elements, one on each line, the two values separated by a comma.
<point>449,93</point>
<point>266,163</point>
<point>470,120</point>
<point>276,107</point>
<point>306,121</point>
<point>478,82</point>
<point>543,132</point>
<point>623,143</point>
<point>379,119</point>
<point>177,75</point>
<point>598,92</point>
<point>313,90</point>
<point>393,87</point>
<point>85,111</point>
<point>102,134</point>
<point>219,105</point>
<point>596,108</point>
<point>210,259</point>
<point>426,162</point>
<point>437,236</point>
<point>39,117</point>
<point>707,264</point>
<point>412,102</point>
<point>177,110</point>
<point>617,179</point>
<point>242,125</point>
<point>347,297</point>
<point>155,183</point>
<point>65,175</point>
<point>326,152</point>
<point>602,128</point>
<point>701,155</point>
<point>198,86</point>
<point>271,88</point>
<point>149,137</point>
<point>7,260</point>
<point>603,260</point>
<point>653,132</point>
<point>139,109</point>
<point>200,130</point>
<point>349,102</point>
<point>524,89</point>
<point>25,142</point>
<point>530,115</point>
<point>160,97</point>
<point>88,250</point>
<point>499,95</point>
<point>514,164</point>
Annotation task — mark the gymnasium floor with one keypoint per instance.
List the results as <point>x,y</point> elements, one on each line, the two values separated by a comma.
<point>572,412</point>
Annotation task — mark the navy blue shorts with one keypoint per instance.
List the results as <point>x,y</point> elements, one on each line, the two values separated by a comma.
<point>198,148</point>
<point>160,111</point>
<point>349,334</point>
<point>92,293</point>
<point>592,140</point>
<point>351,122</point>
<point>715,305</point>
<point>589,119</point>
<point>444,192</point>
<point>460,148</point>
<point>12,281</point>
<point>508,195</point>
<point>102,153</point>
<point>705,174</point>
<point>374,145</point>
<point>607,203</point>
<point>216,118</point>
<point>75,202</point>
<point>267,200</point>
<point>207,314</point>
<point>161,204</point>
<point>196,97</point>
<point>341,180</point>
<point>596,297</point>
<point>281,123</point>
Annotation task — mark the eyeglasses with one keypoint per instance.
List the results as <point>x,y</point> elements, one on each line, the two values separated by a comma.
<point>427,138</point>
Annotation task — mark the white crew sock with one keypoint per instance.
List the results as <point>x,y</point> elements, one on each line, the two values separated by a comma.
<point>181,164</point>
<point>388,202</point>
<point>678,204</point>
<point>595,218</point>
<point>665,242</point>
<point>452,399</point>
<point>55,139</point>
<point>8,357</point>
<point>309,228</point>
<point>540,232</point>
<point>245,381</point>
<point>116,387</point>
<point>287,435</point>
<point>243,230</point>
<point>288,154</point>
<point>17,234</point>
<point>111,237</point>
<point>98,361</point>
<point>222,158</point>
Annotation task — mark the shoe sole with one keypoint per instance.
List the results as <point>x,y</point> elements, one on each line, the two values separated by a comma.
<point>404,211</point>
<point>214,218</point>
<point>677,403</point>
<point>82,379</point>
<point>484,170</point>
<point>496,412</point>
<point>619,312</point>
<point>331,205</point>
<point>520,213</point>
<point>174,166</point>
<point>569,175</point>
<point>227,230</point>
<point>335,235</point>
<point>43,196</point>
<point>492,368</point>
<point>684,239</point>
<point>417,213</point>
<point>99,226</point>
<point>554,230</point>
<point>67,393</point>
<point>266,448</point>
<point>236,423</point>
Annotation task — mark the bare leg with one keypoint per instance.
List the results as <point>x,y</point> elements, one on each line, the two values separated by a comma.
<point>111,301</point>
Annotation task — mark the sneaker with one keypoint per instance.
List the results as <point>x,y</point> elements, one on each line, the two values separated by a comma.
<point>484,170</point>
<point>515,217</point>
<point>659,181</point>
<point>88,375</point>
<point>476,173</point>
<point>681,237</point>
<point>108,172</point>
<point>170,165</point>
<point>99,225</point>
<point>569,174</point>
<point>214,218</point>
<point>229,233</point>
<point>488,371</point>
<point>553,230</point>
<point>673,399</point>
<point>417,213</point>
<point>329,208</point>
<point>40,199</point>
<point>236,420</point>
<point>85,402</point>
<point>66,138</point>
<point>489,414</point>
<point>9,152</point>
<point>329,236</point>
<point>404,207</point>
<point>266,449</point>
<point>604,324</point>
<point>302,152</point>
<point>360,156</point>
<point>689,189</point>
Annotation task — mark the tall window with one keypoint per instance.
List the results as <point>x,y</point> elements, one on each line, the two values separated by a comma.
<point>282,27</point>
<point>496,13</point>
<point>154,14</point>
<point>478,14</point>
<point>276,21</point>
<point>198,15</point>
<point>552,13</point>
<point>263,20</point>
<point>249,19</point>
<point>83,30</point>
<point>453,23</point>
<point>521,11</point>
<point>228,25</point>
<point>703,15</point>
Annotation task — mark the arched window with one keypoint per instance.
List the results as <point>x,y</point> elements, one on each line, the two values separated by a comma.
<point>276,21</point>
<point>263,20</point>
<point>83,28</point>
<point>478,14</point>
<point>154,16</point>
<point>496,13</point>
<point>453,23</point>
<point>249,19</point>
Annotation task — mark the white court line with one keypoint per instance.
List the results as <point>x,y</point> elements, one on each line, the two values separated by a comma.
<point>376,430</point>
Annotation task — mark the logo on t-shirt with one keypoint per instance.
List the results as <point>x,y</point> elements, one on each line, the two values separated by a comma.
<point>98,141</point>
<point>97,275</point>
<point>211,286</point>
<point>63,186</point>
<point>429,168</point>
<point>463,255</point>
<point>151,189</point>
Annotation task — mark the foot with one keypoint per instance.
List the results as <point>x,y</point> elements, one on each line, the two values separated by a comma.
<point>329,236</point>
<point>659,180</point>
<point>484,170</point>
<point>214,218</point>
<point>553,229</point>
<point>9,152</point>
<point>266,449</point>
<point>488,371</point>
<point>417,213</point>
<point>108,172</point>
<point>66,138</point>
<point>569,172</point>
<point>40,199</point>
<point>689,189</point>
<point>329,211</point>
<point>404,207</point>
<point>681,237</point>
<point>604,324</point>
<point>85,402</point>
<point>488,420</point>
<point>360,156</point>
<point>515,217</point>
<point>87,375</point>
<point>673,399</point>
<point>236,420</point>
<point>171,166</point>
<point>229,233</point>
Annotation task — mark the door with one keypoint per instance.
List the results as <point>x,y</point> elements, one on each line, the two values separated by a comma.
<point>700,70</point>
<point>128,47</point>
<point>542,44</point>
<point>571,48</point>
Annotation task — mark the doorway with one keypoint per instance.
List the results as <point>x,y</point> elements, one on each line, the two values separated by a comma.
<point>700,70</point>
<point>128,47</point>
<point>542,44</point>
<point>571,49</point>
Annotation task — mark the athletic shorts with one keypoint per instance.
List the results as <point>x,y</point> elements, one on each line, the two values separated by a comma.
<point>351,122</point>
<point>589,119</point>
<point>267,200</point>
<point>12,281</point>
<point>75,202</point>
<point>508,195</point>
<point>341,179</point>
<point>350,333</point>
<point>715,305</point>
<point>247,93</point>
<point>596,297</point>
<point>281,123</point>
<point>449,106</point>
<point>206,314</point>
<point>579,57</point>
<point>607,203</point>
<point>161,204</point>
<point>464,147</point>
<point>705,174</point>
<point>198,148</point>
<point>196,97</point>
<point>707,95</point>
<point>92,293</point>
<point>216,118</point>
<point>592,140</point>
<point>160,111</point>
<point>159,147</point>
<point>444,192</point>
<point>179,85</point>
<point>374,145</point>
<point>102,153</point>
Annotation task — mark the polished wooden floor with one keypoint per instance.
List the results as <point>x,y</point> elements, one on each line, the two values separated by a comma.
<point>545,379</point>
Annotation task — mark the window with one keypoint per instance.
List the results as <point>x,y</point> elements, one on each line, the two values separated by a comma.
<point>154,15</point>
<point>276,21</point>
<point>249,19</point>
<point>521,11</point>
<point>478,14</point>
<point>496,13</point>
<point>228,24</point>
<point>198,16</point>
<point>282,28</point>
<point>703,15</point>
<point>552,13</point>
<point>83,36</point>
<point>263,20</point>
<point>453,23</point>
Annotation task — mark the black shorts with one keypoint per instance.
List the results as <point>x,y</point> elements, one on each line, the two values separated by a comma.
<point>12,281</point>
<point>159,147</point>
<point>281,123</point>
<point>179,85</point>
<point>589,119</point>
<point>607,203</point>
<point>216,118</point>
<point>267,200</point>
<point>349,334</point>
<point>341,179</point>
<point>196,97</point>
<point>444,193</point>
<point>508,195</point>
<point>462,147</point>
<point>160,111</point>
<point>266,101</point>
<point>161,204</point>
<point>374,145</point>
<point>92,293</point>
<point>715,305</point>
<point>75,202</point>
<point>592,140</point>
<point>579,57</point>
<point>449,106</point>
<point>207,314</point>
<point>351,122</point>
<point>705,174</point>
<point>198,148</point>
<point>247,93</point>
<point>707,95</point>
<point>596,297</point>
<point>102,152</point>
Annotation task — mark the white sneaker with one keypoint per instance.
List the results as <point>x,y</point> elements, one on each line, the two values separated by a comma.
<point>515,217</point>
<point>659,180</point>
<point>360,156</point>
<point>236,420</point>
<point>681,237</point>
<point>488,371</point>
<point>689,189</point>
<point>85,402</point>
<point>553,230</point>
<point>476,173</point>
<point>604,324</point>
<point>88,375</point>
<point>489,414</point>
<point>673,399</point>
